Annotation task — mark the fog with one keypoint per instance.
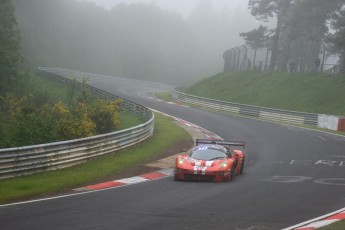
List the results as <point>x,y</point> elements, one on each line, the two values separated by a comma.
<point>183,7</point>
<point>177,42</point>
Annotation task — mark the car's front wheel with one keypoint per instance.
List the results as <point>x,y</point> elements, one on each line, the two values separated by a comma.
<point>232,175</point>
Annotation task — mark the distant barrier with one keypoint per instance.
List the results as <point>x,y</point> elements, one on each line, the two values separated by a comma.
<point>277,115</point>
<point>44,157</point>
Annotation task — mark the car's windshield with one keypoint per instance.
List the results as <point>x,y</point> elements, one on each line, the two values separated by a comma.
<point>207,153</point>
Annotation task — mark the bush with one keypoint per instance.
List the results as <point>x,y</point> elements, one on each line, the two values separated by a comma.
<point>105,115</point>
<point>27,121</point>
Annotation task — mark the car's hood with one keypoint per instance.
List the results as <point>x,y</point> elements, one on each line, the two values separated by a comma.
<point>203,163</point>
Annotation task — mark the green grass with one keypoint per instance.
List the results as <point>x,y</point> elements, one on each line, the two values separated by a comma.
<point>49,88</point>
<point>336,226</point>
<point>314,93</point>
<point>166,96</point>
<point>166,134</point>
<point>129,119</point>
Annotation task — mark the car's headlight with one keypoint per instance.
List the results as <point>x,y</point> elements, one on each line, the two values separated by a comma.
<point>180,161</point>
<point>224,165</point>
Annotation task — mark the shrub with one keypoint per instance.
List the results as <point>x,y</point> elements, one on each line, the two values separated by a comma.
<point>106,115</point>
<point>26,122</point>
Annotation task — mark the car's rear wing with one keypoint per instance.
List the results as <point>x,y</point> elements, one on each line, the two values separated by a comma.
<point>220,142</point>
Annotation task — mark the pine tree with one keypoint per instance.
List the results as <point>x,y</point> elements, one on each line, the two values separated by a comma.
<point>256,39</point>
<point>337,38</point>
<point>264,9</point>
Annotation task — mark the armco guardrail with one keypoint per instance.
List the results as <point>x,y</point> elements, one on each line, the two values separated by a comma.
<point>37,158</point>
<point>319,120</point>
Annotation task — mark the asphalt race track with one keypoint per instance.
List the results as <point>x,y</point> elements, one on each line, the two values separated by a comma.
<point>291,175</point>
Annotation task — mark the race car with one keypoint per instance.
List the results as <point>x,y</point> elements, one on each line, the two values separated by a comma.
<point>211,160</point>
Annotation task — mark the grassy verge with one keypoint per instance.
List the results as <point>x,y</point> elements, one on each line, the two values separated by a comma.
<point>128,120</point>
<point>166,134</point>
<point>51,88</point>
<point>308,92</point>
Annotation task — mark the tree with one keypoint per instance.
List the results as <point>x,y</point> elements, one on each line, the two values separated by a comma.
<point>264,9</point>
<point>10,55</point>
<point>302,26</point>
<point>337,39</point>
<point>308,22</point>
<point>256,39</point>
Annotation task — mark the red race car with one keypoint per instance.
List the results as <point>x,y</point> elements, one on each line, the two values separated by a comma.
<point>213,160</point>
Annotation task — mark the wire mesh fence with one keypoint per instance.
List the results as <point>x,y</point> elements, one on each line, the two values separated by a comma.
<point>245,58</point>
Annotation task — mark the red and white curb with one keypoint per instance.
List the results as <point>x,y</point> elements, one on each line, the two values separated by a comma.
<point>129,181</point>
<point>320,222</point>
<point>204,132</point>
<point>207,134</point>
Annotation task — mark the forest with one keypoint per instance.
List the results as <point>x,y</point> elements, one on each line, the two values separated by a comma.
<point>305,30</point>
<point>143,41</point>
<point>140,41</point>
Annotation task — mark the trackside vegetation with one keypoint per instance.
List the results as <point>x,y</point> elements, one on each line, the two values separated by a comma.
<point>30,115</point>
<point>305,92</point>
<point>166,134</point>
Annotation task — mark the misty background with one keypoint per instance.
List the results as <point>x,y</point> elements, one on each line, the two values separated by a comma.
<point>177,42</point>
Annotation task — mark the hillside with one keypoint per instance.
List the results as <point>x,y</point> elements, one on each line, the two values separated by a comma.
<point>314,93</point>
